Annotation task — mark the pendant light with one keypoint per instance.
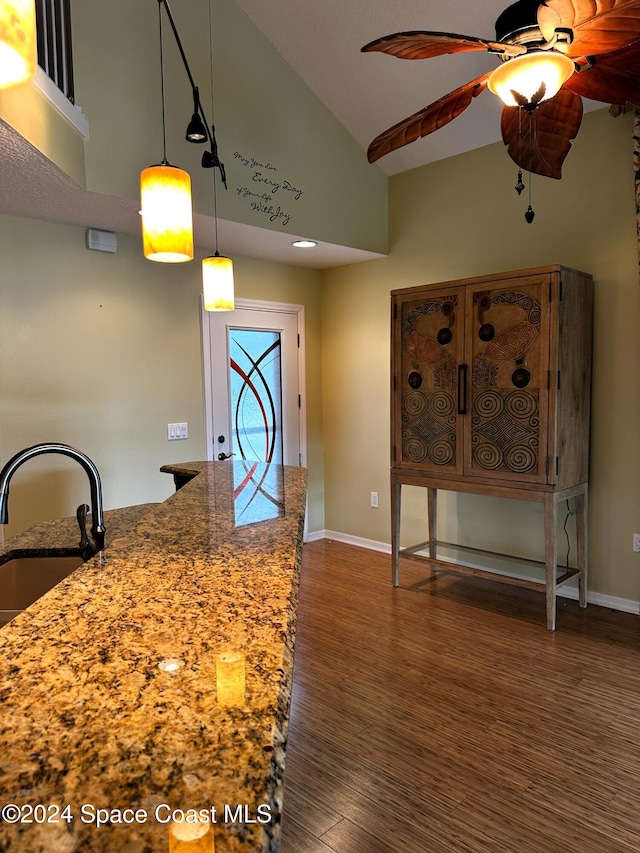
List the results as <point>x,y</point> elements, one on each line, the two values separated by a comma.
<point>18,45</point>
<point>217,283</point>
<point>165,201</point>
<point>217,270</point>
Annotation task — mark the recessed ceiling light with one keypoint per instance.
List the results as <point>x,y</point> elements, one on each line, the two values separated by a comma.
<point>304,244</point>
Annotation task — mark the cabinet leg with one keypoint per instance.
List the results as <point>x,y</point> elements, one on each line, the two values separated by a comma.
<point>550,558</point>
<point>432,517</point>
<point>582,539</point>
<point>396,496</point>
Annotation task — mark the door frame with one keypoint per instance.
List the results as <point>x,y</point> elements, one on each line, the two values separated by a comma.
<point>207,378</point>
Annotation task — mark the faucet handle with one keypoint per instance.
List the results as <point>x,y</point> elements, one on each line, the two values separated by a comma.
<point>81,515</point>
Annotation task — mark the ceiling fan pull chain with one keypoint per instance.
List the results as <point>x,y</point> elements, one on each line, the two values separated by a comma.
<point>519,185</point>
<point>530,213</point>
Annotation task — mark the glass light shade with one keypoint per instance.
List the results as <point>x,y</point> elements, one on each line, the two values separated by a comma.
<point>230,679</point>
<point>18,50</point>
<point>525,74</point>
<point>217,283</point>
<point>191,836</point>
<point>167,218</point>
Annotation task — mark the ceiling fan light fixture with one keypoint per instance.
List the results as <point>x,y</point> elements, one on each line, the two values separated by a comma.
<point>527,75</point>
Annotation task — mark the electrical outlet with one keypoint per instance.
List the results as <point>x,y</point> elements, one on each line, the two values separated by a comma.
<point>374,500</point>
<point>636,541</point>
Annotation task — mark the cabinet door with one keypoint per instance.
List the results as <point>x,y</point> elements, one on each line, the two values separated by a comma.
<point>428,341</point>
<point>507,332</point>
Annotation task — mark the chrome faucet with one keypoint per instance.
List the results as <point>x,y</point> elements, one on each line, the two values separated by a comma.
<point>90,544</point>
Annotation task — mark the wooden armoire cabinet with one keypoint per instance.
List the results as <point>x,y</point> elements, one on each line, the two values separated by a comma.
<point>491,395</point>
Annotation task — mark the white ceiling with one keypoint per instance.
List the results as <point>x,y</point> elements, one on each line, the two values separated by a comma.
<point>370,92</point>
<point>367,92</point>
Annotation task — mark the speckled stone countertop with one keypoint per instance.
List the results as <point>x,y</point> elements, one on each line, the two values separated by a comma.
<point>90,721</point>
<point>61,537</point>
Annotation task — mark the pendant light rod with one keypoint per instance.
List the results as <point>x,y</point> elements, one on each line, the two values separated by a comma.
<point>209,159</point>
<point>165,162</point>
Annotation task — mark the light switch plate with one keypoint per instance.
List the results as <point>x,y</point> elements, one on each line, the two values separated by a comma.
<point>175,432</point>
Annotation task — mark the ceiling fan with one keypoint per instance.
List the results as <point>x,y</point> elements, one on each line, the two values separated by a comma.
<point>553,54</point>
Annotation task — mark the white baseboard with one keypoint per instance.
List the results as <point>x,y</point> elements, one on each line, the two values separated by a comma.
<point>371,544</point>
<point>626,605</point>
<point>315,535</point>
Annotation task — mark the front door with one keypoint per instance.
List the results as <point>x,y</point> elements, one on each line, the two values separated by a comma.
<point>253,370</point>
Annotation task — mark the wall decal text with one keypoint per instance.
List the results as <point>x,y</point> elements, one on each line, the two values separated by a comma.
<point>266,192</point>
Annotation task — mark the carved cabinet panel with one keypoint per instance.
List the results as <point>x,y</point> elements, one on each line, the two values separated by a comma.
<point>428,395</point>
<point>477,391</point>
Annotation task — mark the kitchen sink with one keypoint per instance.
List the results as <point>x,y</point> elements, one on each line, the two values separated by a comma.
<point>24,579</point>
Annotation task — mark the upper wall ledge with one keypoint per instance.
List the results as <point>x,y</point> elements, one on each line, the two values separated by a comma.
<point>63,105</point>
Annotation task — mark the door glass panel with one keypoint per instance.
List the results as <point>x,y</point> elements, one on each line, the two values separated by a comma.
<point>258,492</point>
<point>255,382</point>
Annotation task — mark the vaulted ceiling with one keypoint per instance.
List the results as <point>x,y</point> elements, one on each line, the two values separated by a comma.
<point>370,92</point>
<point>367,92</point>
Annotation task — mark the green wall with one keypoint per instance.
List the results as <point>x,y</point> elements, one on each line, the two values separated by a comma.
<point>101,351</point>
<point>319,179</point>
<point>461,217</point>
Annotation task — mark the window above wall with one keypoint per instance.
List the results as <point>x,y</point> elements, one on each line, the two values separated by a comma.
<point>55,60</point>
<point>55,55</point>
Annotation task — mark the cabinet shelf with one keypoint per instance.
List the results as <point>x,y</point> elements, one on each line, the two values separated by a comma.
<point>505,568</point>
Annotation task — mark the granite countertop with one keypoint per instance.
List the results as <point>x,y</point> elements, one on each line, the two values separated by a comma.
<point>61,537</point>
<point>96,727</point>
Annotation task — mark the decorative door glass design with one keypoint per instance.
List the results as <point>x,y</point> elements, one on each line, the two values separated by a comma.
<point>255,382</point>
<point>258,492</point>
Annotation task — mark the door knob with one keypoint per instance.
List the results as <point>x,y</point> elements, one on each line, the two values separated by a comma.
<point>223,456</point>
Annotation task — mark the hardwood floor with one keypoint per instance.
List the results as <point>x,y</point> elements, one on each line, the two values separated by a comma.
<point>447,718</point>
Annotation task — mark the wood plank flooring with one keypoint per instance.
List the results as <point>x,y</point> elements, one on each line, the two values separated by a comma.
<point>447,718</point>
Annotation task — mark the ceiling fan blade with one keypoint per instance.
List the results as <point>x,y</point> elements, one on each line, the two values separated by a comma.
<point>425,45</point>
<point>598,25</point>
<point>540,141</point>
<point>431,118</point>
<point>613,78</point>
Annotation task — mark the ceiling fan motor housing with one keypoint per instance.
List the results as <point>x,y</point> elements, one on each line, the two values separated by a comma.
<point>521,16</point>
<point>518,25</point>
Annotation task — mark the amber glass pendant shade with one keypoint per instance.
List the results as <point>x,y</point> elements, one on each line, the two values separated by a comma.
<point>18,50</point>
<point>230,679</point>
<point>191,836</point>
<point>217,283</point>
<point>167,217</point>
<point>526,74</point>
